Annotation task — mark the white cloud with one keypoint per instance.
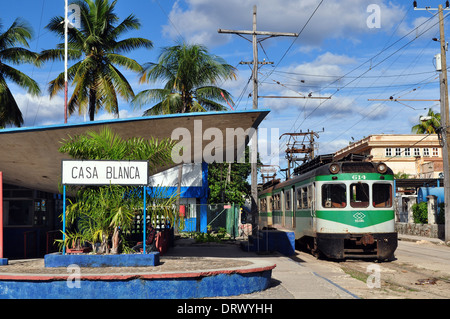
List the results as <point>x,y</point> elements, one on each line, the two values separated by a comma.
<point>40,110</point>
<point>43,111</point>
<point>198,20</point>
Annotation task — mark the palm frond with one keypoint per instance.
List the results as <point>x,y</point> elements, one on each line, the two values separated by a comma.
<point>20,79</point>
<point>96,47</point>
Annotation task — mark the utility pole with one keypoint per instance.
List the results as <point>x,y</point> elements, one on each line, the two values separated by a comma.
<point>444,114</point>
<point>66,44</point>
<point>254,148</point>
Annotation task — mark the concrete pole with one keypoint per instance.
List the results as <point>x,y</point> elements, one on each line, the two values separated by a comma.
<point>445,123</point>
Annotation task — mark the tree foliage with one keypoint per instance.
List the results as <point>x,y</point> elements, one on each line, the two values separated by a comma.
<point>428,126</point>
<point>228,182</point>
<point>106,213</point>
<point>11,52</point>
<point>97,49</point>
<point>190,75</point>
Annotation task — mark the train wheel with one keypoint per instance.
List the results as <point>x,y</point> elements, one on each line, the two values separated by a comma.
<point>315,251</point>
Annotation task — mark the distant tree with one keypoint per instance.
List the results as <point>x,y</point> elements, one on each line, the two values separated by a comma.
<point>401,175</point>
<point>18,34</point>
<point>229,184</point>
<point>430,125</point>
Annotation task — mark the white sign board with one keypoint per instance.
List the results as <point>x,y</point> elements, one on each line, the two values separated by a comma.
<point>105,172</point>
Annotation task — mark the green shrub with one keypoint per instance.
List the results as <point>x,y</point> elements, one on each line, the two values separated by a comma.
<point>420,213</point>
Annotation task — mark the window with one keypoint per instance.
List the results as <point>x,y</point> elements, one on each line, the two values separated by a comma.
<point>388,152</point>
<point>299,198</point>
<point>287,196</point>
<point>382,195</point>
<point>263,204</point>
<point>398,151</point>
<point>310,196</point>
<point>407,152</point>
<point>334,195</point>
<point>426,152</point>
<point>20,212</point>
<point>416,151</point>
<point>276,202</point>
<point>359,195</point>
<point>435,151</point>
<point>305,197</point>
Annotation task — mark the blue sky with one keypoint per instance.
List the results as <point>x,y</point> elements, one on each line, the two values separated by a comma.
<point>337,54</point>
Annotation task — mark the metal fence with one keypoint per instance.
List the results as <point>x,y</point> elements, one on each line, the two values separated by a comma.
<point>217,216</point>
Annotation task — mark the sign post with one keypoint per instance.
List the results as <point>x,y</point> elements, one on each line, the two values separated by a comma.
<point>97,173</point>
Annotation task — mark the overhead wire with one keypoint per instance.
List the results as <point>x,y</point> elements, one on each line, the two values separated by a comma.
<point>362,75</point>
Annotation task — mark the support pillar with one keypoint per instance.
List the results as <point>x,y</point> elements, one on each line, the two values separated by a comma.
<point>3,261</point>
<point>432,209</point>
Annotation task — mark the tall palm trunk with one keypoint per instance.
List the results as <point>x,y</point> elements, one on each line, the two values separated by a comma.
<point>115,241</point>
<point>92,101</point>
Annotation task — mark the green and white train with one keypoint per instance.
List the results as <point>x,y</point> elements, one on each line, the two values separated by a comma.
<point>337,209</point>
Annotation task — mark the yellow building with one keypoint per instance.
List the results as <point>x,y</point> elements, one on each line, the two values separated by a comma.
<point>418,155</point>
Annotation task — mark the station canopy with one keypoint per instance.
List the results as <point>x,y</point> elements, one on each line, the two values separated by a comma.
<point>29,157</point>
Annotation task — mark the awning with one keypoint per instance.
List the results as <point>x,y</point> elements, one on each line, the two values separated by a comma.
<point>29,157</point>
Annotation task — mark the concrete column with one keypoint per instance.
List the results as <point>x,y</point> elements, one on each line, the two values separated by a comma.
<point>432,209</point>
<point>410,203</point>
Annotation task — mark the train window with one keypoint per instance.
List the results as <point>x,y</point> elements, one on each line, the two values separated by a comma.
<point>263,204</point>
<point>334,195</point>
<point>305,197</point>
<point>359,195</point>
<point>276,202</point>
<point>299,198</point>
<point>287,196</point>
<point>309,196</point>
<point>382,195</point>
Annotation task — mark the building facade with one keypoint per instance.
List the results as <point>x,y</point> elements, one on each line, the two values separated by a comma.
<point>417,155</point>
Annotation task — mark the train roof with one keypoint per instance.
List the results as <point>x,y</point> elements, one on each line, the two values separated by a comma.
<point>321,166</point>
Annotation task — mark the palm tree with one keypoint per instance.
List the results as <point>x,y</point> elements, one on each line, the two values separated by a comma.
<point>428,126</point>
<point>190,74</point>
<point>97,49</point>
<point>18,34</point>
<point>100,212</point>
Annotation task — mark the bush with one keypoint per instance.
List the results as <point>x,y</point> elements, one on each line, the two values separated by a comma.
<point>420,213</point>
<point>441,215</point>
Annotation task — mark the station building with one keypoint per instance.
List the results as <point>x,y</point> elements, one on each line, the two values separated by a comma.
<point>31,168</point>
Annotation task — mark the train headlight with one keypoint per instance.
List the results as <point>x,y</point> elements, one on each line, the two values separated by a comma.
<point>382,168</point>
<point>334,168</point>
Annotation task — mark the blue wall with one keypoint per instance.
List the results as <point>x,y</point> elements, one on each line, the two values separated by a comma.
<point>194,192</point>
<point>181,287</point>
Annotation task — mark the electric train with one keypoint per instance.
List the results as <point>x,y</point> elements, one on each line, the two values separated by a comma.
<point>337,209</point>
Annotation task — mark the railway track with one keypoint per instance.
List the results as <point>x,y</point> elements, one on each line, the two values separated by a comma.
<point>398,279</point>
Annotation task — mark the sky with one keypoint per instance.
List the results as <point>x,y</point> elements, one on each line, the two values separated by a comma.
<point>348,50</point>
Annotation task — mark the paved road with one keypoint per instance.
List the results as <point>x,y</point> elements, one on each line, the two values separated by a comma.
<point>424,254</point>
<point>292,278</point>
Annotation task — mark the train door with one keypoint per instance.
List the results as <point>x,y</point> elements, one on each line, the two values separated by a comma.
<point>283,207</point>
<point>313,197</point>
<point>294,207</point>
<point>288,209</point>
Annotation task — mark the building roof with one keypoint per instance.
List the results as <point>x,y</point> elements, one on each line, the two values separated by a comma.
<point>389,140</point>
<point>29,157</point>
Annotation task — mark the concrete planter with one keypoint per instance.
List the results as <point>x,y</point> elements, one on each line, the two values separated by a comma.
<point>170,285</point>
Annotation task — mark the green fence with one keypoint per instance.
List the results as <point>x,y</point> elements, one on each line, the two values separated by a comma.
<point>217,216</point>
